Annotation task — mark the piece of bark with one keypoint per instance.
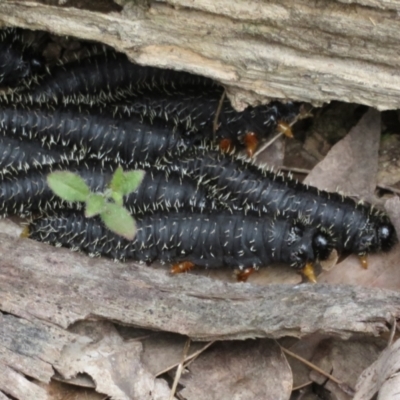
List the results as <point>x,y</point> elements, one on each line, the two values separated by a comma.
<point>17,386</point>
<point>31,347</point>
<point>278,49</point>
<point>61,287</point>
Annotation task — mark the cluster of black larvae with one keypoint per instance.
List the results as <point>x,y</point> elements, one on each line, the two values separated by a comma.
<point>197,206</point>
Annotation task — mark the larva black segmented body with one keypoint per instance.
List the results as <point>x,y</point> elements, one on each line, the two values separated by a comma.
<point>19,155</point>
<point>16,63</point>
<point>208,240</point>
<point>130,142</point>
<point>107,77</point>
<point>358,228</point>
<point>24,193</point>
<point>197,112</point>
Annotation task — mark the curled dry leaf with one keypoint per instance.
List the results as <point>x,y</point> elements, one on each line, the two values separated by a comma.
<point>381,376</point>
<point>246,370</point>
<point>352,164</point>
<point>114,365</point>
<point>345,360</point>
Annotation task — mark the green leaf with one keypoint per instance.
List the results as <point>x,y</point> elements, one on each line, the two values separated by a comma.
<point>133,179</point>
<point>68,186</point>
<point>118,219</point>
<point>95,204</point>
<point>118,198</point>
<point>126,182</point>
<point>118,180</point>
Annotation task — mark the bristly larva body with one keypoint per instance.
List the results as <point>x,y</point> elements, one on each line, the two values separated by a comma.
<point>357,228</point>
<point>21,155</point>
<point>207,240</point>
<point>196,111</point>
<point>16,62</point>
<point>107,77</point>
<point>28,192</point>
<point>94,134</point>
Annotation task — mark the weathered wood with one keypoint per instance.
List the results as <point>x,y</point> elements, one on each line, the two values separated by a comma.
<point>280,49</point>
<point>61,287</point>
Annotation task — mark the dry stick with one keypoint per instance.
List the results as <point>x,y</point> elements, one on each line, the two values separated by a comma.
<point>390,188</point>
<point>179,369</point>
<point>266,145</point>
<point>314,367</point>
<point>303,385</point>
<point>189,358</point>
<point>295,170</point>
<point>195,355</point>
<point>392,332</point>
<point>215,122</point>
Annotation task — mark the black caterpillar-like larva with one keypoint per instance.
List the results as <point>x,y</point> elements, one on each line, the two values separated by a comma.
<point>358,228</point>
<point>24,193</point>
<point>209,240</point>
<point>196,111</point>
<point>107,77</point>
<point>132,142</point>
<point>21,155</point>
<point>16,62</point>
<point>160,190</point>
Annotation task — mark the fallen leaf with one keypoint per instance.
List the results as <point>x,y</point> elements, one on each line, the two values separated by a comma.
<point>239,370</point>
<point>352,164</point>
<point>111,363</point>
<point>381,375</point>
<point>345,360</point>
<point>304,348</point>
<point>164,350</point>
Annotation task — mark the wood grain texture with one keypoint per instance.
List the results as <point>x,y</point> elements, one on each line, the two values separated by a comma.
<point>61,287</point>
<point>279,49</point>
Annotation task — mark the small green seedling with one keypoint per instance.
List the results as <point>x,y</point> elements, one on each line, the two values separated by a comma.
<point>109,205</point>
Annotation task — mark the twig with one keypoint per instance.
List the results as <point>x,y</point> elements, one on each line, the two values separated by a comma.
<point>392,331</point>
<point>215,122</point>
<point>188,358</point>
<point>295,170</point>
<point>267,144</point>
<point>179,369</point>
<point>311,365</point>
<point>389,188</point>
<point>303,385</point>
<point>297,118</point>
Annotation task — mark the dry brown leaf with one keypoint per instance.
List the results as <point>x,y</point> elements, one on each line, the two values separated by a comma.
<point>164,350</point>
<point>352,163</point>
<point>382,375</point>
<point>253,370</point>
<point>304,348</point>
<point>63,391</point>
<point>345,360</point>
<point>114,365</point>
